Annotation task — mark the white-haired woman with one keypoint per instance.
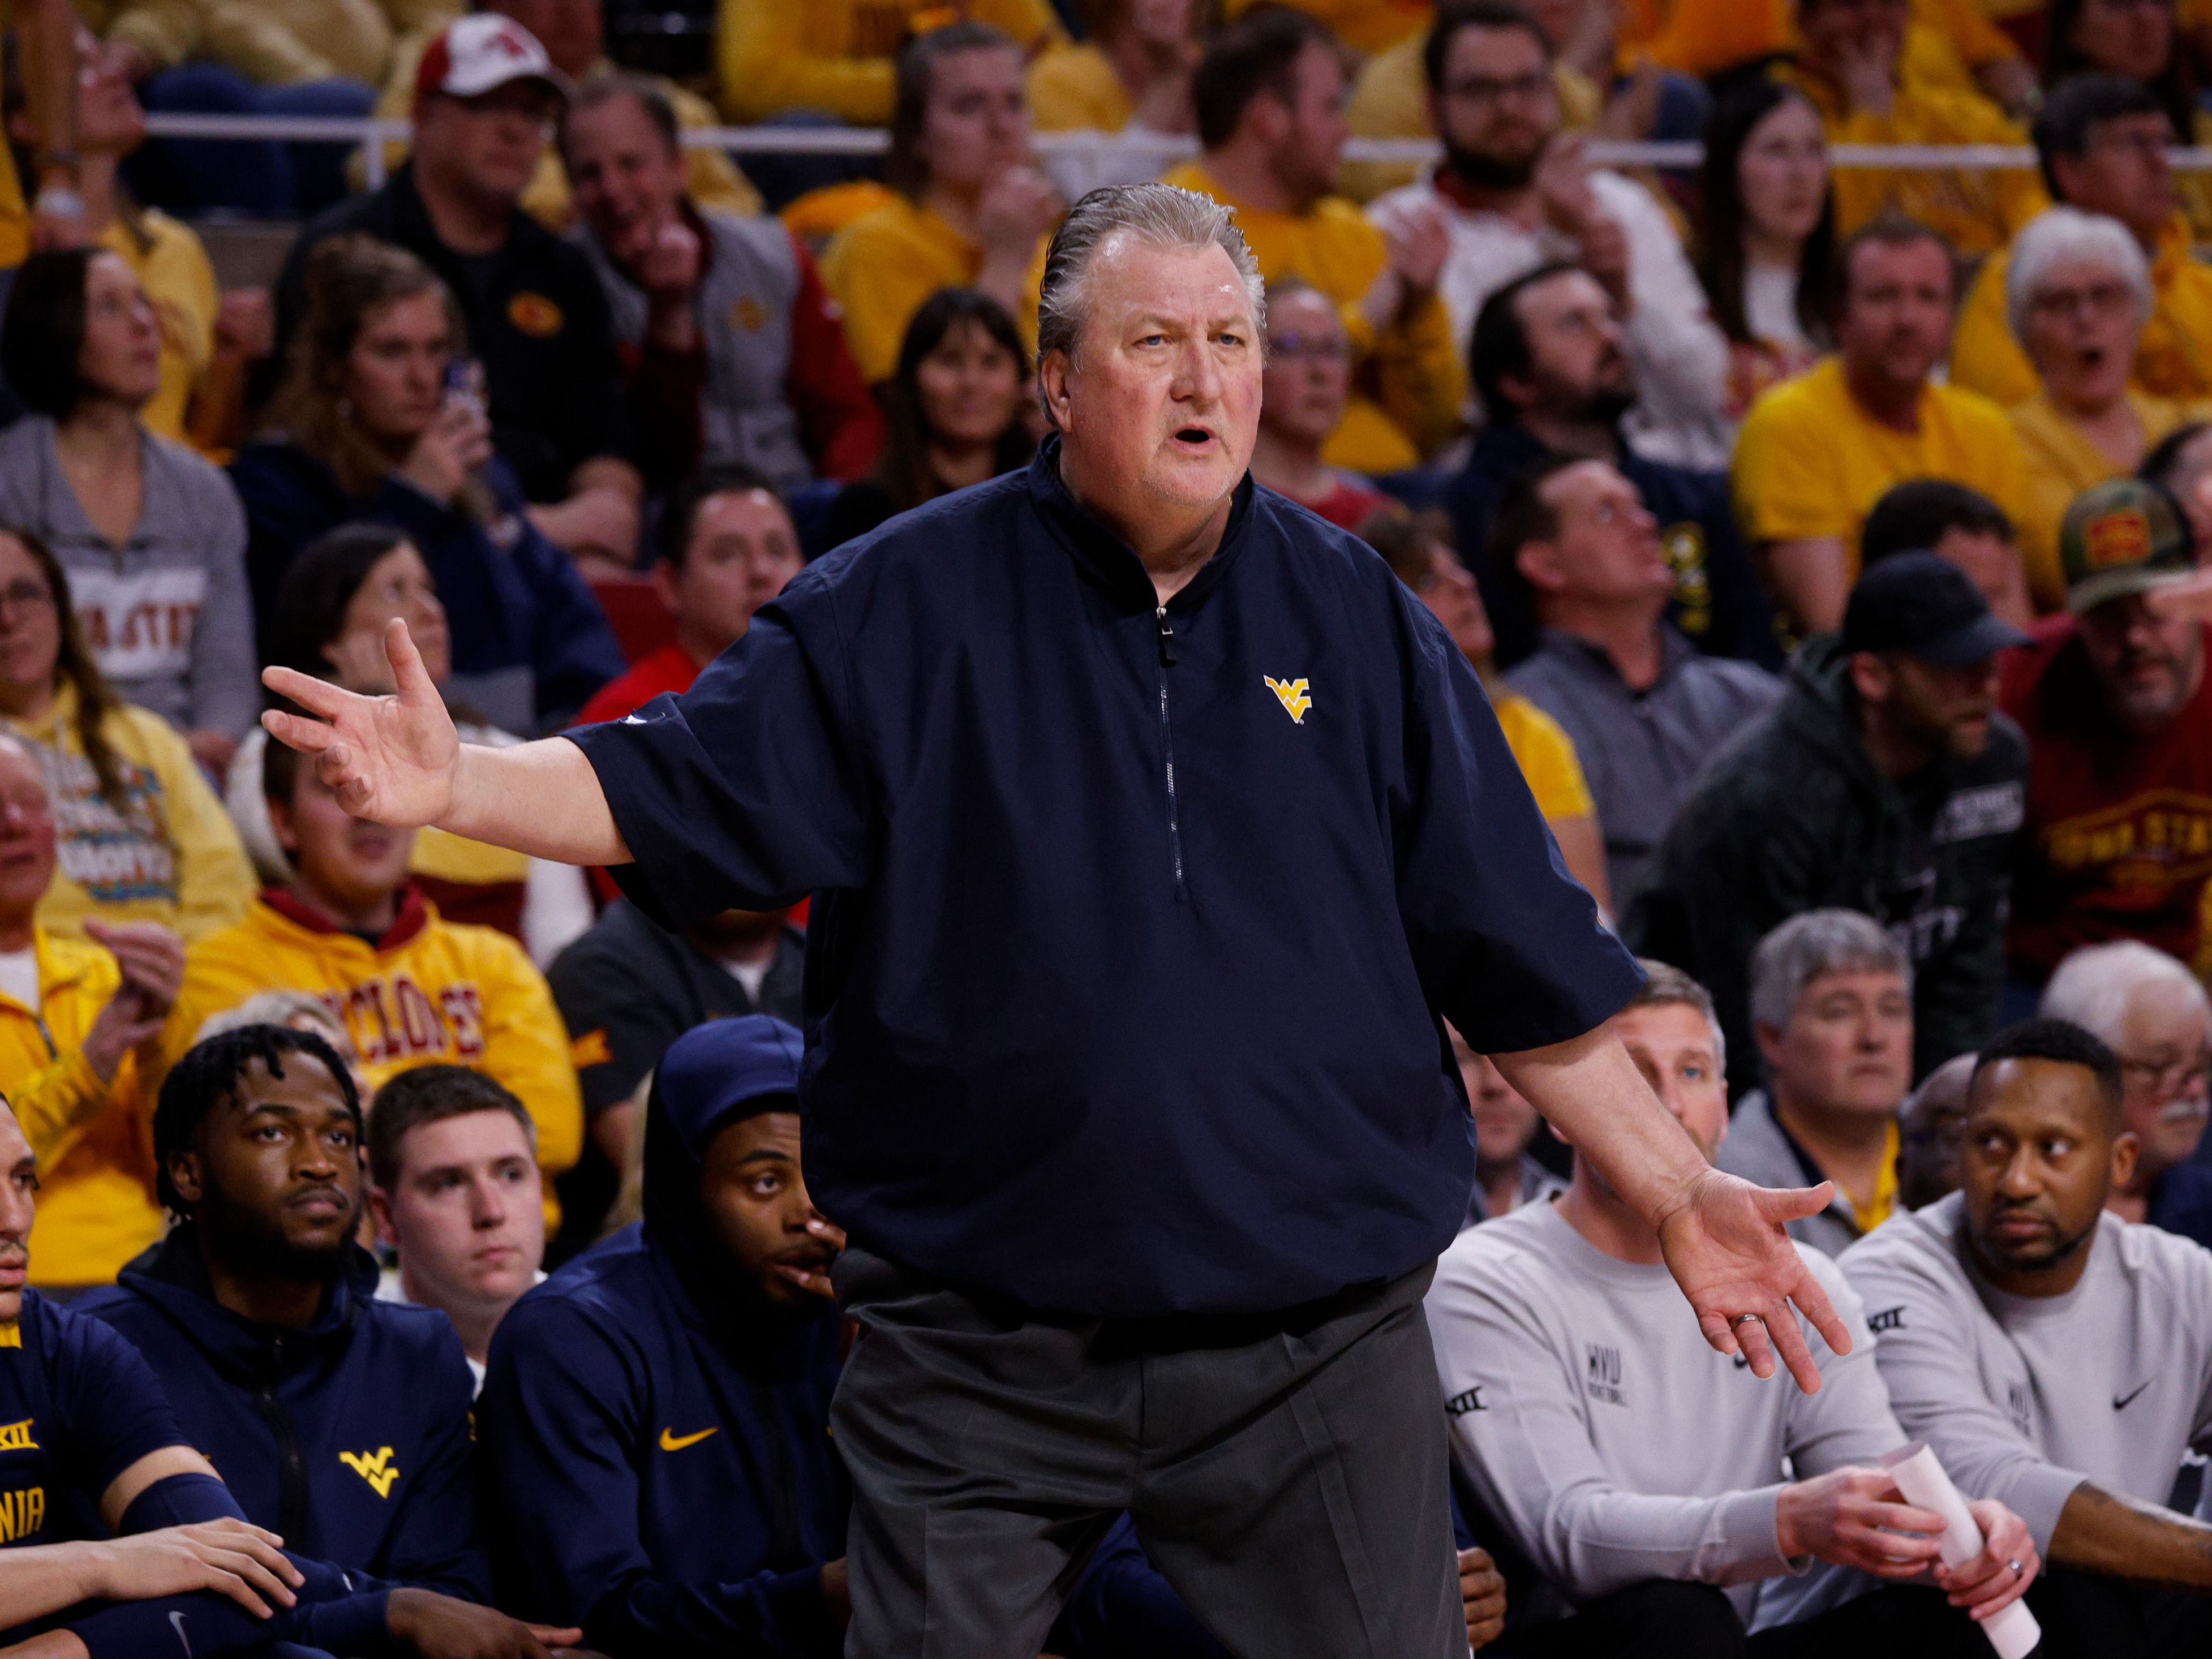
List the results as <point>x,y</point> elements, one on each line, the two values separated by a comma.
<point>2078,291</point>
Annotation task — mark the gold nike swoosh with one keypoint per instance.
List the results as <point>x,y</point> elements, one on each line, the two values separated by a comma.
<point>671,1441</point>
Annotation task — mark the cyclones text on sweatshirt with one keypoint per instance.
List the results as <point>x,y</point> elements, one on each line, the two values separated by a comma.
<point>1595,1423</point>
<point>2024,1398</point>
<point>1134,922</point>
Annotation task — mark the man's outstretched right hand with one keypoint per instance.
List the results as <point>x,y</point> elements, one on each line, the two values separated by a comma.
<point>392,760</point>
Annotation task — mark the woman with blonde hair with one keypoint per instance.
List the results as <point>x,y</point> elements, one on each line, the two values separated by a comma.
<point>139,836</point>
<point>380,418</point>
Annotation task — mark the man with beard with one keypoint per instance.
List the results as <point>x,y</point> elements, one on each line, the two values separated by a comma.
<point>338,1422</point>
<point>1644,710</point>
<point>1884,782</point>
<point>1551,372</point>
<point>2056,1358</point>
<point>1516,192</point>
<point>658,1414</point>
<point>1638,1477</point>
<point>1818,451</point>
<point>2113,700</point>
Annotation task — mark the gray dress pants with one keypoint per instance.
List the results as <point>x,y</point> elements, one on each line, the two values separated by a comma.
<point>1287,1472</point>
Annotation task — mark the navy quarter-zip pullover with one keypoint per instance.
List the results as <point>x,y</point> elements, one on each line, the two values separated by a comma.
<point>1135,922</point>
<point>351,1439</point>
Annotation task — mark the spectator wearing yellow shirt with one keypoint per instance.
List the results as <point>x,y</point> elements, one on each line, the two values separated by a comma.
<point>2102,142</point>
<point>1818,450</point>
<point>574,35</point>
<point>44,37</point>
<point>413,988</point>
<point>79,1019</point>
<point>1271,117</point>
<point>273,57</point>
<point>1417,547</point>
<point>2079,290</point>
<point>838,57</point>
<point>1134,70</point>
<point>1851,67</point>
<point>972,209</point>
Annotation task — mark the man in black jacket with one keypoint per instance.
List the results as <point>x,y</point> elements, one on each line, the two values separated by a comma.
<point>485,97</point>
<point>1155,828</point>
<point>1885,782</point>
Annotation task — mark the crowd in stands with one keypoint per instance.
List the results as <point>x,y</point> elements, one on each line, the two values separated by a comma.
<point>1833,544</point>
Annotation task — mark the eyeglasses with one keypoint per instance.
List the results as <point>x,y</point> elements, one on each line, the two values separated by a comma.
<point>2101,300</point>
<point>26,595</point>
<point>1489,89</point>
<point>2166,1077</point>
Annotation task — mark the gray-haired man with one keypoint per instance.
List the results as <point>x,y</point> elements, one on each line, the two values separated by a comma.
<point>1153,826</point>
<point>1831,1009</point>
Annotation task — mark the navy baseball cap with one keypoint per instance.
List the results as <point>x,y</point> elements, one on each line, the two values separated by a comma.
<point>1922,604</point>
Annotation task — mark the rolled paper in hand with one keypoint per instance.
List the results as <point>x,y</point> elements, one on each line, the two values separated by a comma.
<point>2013,1632</point>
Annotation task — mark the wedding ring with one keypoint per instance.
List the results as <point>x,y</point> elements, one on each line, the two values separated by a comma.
<point>1745,1319</point>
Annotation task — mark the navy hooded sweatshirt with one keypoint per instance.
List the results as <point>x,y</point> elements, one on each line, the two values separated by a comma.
<point>350,1440</point>
<point>658,1444</point>
<point>1134,922</point>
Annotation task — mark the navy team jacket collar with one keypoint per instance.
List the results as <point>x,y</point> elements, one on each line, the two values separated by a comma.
<point>1105,559</point>
<point>175,1278</point>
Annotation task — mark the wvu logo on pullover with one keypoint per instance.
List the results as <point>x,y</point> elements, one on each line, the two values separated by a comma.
<point>378,1471</point>
<point>1291,694</point>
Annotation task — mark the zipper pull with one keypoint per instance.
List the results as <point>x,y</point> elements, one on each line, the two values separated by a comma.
<point>1167,636</point>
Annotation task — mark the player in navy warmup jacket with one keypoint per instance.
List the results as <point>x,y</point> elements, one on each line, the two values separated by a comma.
<point>338,1421</point>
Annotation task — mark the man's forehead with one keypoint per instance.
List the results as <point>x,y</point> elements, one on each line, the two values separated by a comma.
<point>1663,1026</point>
<point>2029,1091</point>
<point>307,1082</point>
<point>464,1138</point>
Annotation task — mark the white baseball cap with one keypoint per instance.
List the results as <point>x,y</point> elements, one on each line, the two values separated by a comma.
<point>481,52</point>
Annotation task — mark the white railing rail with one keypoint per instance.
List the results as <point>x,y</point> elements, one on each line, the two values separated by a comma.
<point>1102,155</point>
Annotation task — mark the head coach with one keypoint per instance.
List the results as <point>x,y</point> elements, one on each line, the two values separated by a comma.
<point>1155,828</point>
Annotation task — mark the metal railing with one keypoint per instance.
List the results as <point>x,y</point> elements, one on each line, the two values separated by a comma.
<point>1118,150</point>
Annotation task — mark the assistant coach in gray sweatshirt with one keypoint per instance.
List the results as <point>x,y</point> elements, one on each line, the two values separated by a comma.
<point>2056,1357</point>
<point>1636,1474</point>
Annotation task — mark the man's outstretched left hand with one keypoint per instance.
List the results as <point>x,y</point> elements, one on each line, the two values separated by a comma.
<point>1725,1243</point>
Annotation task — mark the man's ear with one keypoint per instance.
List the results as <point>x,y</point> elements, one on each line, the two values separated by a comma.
<point>1768,1039</point>
<point>1870,676</point>
<point>380,1210</point>
<point>1539,565</point>
<point>664,582</point>
<point>2125,1148</point>
<point>1051,374</point>
<point>280,817</point>
<point>184,1177</point>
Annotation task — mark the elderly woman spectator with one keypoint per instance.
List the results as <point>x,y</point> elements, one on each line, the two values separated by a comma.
<point>954,409</point>
<point>2078,290</point>
<point>1307,381</point>
<point>370,424</point>
<point>971,207</point>
<point>1768,235</point>
<point>150,534</point>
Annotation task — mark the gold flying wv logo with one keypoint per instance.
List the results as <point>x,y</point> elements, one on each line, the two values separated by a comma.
<point>378,1471</point>
<point>1291,694</point>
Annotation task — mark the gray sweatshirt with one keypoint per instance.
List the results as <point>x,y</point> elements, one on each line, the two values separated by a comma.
<point>168,615</point>
<point>1596,1424</point>
<point>1759,1149</point>
<point>2025,1398</point>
